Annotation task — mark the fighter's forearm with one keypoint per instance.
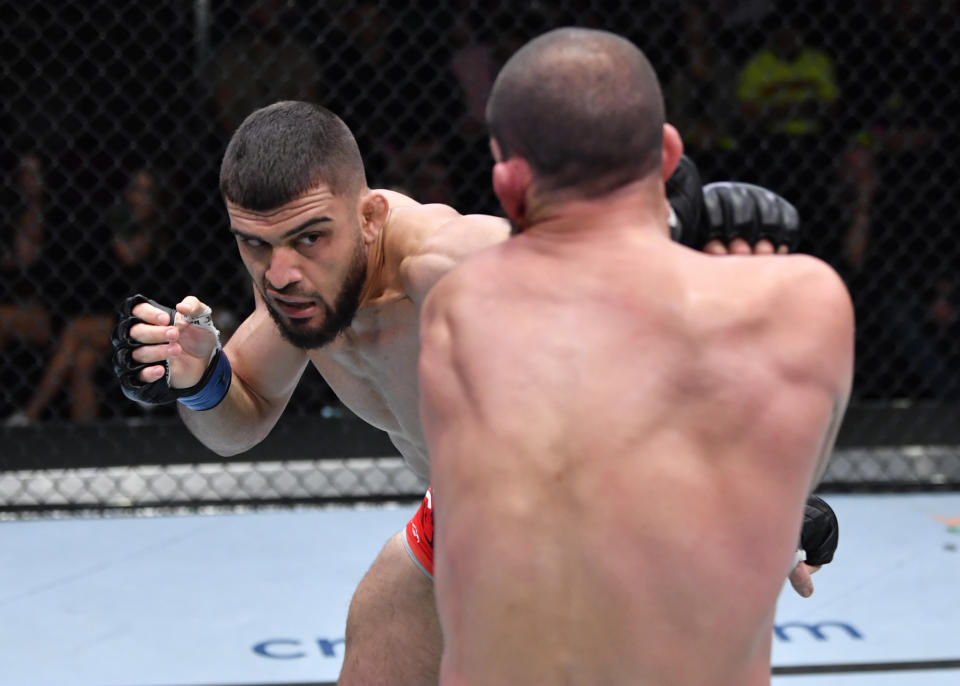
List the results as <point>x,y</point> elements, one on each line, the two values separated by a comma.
<point>264,372</point>
<point>240,421</point>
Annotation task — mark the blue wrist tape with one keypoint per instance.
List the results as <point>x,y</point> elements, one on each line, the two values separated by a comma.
<point>215,388</point>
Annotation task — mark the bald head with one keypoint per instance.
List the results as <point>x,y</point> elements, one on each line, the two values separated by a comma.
<point>583,107</point>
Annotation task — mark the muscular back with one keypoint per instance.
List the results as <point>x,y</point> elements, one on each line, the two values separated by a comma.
<point>625,431</point>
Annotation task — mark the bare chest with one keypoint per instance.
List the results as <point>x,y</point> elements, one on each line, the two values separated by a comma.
<point>372,368</point>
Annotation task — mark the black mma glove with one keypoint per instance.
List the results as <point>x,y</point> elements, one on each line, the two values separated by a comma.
<point>820,533</point>
<point>743,210</point>
<point>726,210</point>
<point>685,194</point>
<point>128,370</point>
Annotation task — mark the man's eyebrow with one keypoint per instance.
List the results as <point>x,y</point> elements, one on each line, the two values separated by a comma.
<point>287,234</point>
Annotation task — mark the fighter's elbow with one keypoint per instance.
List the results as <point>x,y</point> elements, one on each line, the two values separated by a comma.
<point>227,437</point>
<point>230,449</point>
<point>235,443</point>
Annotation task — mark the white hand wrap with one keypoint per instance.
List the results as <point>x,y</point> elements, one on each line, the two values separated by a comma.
<point>204,320</point>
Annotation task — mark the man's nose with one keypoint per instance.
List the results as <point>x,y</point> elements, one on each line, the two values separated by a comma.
<point>283,269</point>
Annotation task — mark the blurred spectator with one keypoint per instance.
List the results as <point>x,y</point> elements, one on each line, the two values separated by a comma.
<point>25,276</point>
<point>787,92</point>
<point>366,83</point>
<point>472,67</point>
<point>23,311</point>
<point>482,37</point>
<point>943,319</point>
<point>701,94</point>
<point>259,62</point>
<point>134,229</point>
<point>788,87</point>
<point>857,189</point>
<point>901,71</point>
<point>740,15</point>
<point>421,172</point>
<point>474,64</point>
<point>898,246</point>
<point>906,92</point>
<point>389,84</point>
<point>904,326</point>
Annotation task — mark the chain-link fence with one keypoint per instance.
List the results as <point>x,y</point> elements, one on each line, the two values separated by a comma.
<point>115,115</point>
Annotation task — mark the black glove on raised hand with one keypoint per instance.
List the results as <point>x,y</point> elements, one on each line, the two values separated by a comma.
<point>743,210</point>
<point>128,370</point>
<point>727,210</point>
<point>685,195</point>
<point>821,532</point>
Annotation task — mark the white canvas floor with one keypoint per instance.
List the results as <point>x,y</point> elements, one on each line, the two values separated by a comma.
<point>261,598</point>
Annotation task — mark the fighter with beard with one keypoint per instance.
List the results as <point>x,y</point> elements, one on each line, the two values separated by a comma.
<point>339,273</point>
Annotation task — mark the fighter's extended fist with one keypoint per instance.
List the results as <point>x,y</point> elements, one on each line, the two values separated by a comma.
<point>128,369</point>
<point>727,210</point>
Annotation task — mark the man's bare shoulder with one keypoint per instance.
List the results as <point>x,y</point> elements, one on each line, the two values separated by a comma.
<point>811,313</point>
<point>812,289</point>
<point>772,281</point>
<point>396,198</point>
<point>409,224</point>
<point>446,246</point>
<point>795,306</point>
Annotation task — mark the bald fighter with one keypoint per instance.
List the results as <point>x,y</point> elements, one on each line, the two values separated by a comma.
<point>339,273</point>
<point>623,432</point>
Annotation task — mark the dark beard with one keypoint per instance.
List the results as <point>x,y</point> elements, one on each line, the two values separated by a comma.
<point>337,318</point>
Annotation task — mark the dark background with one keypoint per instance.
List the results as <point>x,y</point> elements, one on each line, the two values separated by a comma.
<point>100,96</point>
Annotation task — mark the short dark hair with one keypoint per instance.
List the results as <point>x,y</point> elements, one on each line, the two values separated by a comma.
<point>285,149</point>
<point>583,107</point>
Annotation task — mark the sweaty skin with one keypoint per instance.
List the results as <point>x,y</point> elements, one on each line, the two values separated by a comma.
<point>608,415</point>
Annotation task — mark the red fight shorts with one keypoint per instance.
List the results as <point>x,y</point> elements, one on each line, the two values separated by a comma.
<point>418,535</point>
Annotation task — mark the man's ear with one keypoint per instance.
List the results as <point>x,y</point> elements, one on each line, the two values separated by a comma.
<point>511,182</point>
<point>373,214</point>
<point>672,150</point>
